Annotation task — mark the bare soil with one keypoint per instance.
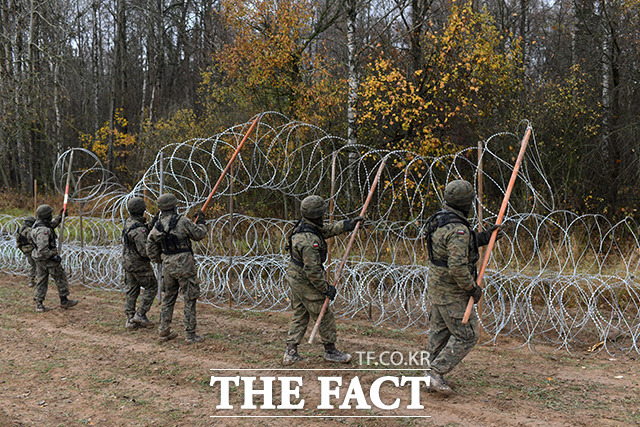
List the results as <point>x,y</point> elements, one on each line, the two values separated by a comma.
<point>82,367</point>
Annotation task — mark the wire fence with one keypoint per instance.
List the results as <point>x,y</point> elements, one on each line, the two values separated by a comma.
<point>557,278</point>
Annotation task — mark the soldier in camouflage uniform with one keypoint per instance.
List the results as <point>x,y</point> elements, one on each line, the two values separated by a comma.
<point>45,254</point>
<point>453,254</point>
<point>138,272</point>
<point>169,242</point>
<point>308,280</point>
<point>23,240</point>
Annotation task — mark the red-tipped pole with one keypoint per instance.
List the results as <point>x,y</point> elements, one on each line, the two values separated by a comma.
<point>503,209</point>
<point>348,249</point>
<point>231,160</point>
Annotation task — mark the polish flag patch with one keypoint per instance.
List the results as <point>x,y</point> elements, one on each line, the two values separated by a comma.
<point>316,245</point>
<point>461,232</point>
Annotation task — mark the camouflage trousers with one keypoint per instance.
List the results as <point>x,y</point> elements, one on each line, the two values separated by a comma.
<point>32,269</point>
<point>449,340</point>
<point>307,302</point>
<point>133,282</point>
<point>171,285</point>
<point>43,269</point>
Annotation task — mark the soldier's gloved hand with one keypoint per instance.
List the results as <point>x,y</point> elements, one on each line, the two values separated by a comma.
<point>62,212</point>
<point>56,258</point>
<point>494,227</point>
<point>350,223</point>
<point>199,218</point>
<point>475,293</point>
<point>154,220</point>
<point>331,292</point>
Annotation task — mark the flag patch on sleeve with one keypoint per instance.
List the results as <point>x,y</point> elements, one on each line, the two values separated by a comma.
<point>461,232</point>
<point>316,245</point>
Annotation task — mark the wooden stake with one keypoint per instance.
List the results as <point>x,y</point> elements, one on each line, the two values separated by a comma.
<point>503,209</point>
<point>348,249</point>
<point>64,204</point>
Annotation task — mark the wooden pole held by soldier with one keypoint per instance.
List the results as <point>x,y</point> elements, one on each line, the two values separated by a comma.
<point>64,203</point>
<point>231,160</point>
<point>348,249</point>
<point>503,209</point>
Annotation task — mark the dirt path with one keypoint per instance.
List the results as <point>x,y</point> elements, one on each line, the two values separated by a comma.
<point>81,367</point>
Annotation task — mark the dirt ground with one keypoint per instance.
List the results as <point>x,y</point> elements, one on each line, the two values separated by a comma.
<point>81,367</point>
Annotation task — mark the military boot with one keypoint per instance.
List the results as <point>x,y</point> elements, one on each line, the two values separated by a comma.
<point>192,338</point>
<point>332,354</point>
<point>291,355</point>
<point>141,320</point>
<point>40,308</point>
<point>166,335</point>
<point>436,382</point>
<point>67,303</point>
<point>130,324</point>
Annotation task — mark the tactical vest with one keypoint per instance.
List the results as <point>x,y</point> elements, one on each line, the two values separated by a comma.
<point>170,243</point>
<point>52,236</point>
<point>302,227</point>
<point>128,242</point>
<point>440,219</point>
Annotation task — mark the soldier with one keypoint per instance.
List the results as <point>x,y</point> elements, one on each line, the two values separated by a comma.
<point>308,280</point>
<point>453,254</point>
<point>138,272</point>
<point>169,242</point>
<point>26,246</point>
<point>45,254</point>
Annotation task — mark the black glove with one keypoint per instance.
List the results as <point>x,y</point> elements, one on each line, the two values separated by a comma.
<point>62,212</point>
<point>350,223</point>
<point>331,292</point>
<point>475,293</point>
<point>493,228</point>
<point>199,218</point>
<point>154,220</point>
<point>55,258</point>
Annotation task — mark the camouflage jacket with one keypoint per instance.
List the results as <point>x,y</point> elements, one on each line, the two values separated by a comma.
<point>23,239</point>
<point>44,239</point>
<point>134,245</point>
<point>181,262</point>
<point>457,245</point>
<point>308,254</point>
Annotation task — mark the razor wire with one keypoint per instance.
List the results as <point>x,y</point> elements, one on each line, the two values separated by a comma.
<point>557,278</point>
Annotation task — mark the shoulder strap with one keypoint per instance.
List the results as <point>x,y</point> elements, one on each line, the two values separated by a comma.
<point>438,220</point>
<point>125,236</point>
<point>302,227</point>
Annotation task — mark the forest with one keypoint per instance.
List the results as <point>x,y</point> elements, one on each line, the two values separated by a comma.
<point>123,78</point>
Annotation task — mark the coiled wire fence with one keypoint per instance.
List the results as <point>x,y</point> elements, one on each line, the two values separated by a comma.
<point>557,278</point>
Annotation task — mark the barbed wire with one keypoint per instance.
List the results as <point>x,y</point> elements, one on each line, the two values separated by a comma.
<point>558,278</point>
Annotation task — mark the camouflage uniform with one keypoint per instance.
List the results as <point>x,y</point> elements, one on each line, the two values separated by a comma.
<point>138,272</point>
<point>178,267</point>
<point>48,261</point>
<point>450,282</point>
<point>23,240</point>
<point>308,280</point>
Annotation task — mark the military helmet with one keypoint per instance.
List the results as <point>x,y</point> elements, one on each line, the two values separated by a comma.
<point>136,205</point>
<point>459,194</point>
<point>167,202</point>
<point>44,212</point>
<point>29,220</point>
<point>313,207</point>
